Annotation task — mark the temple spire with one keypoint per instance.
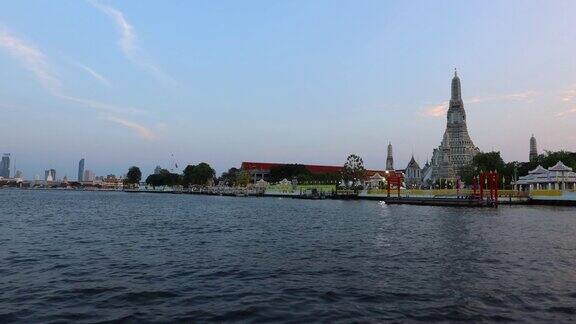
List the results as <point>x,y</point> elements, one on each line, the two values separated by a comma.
<point>389,158</point>
<point>533,149</point>
<point>456,92</point>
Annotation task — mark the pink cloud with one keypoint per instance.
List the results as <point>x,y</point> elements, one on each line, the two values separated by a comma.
<point>436,111</point>
<point>567,112</point>
<point>570,94</point>
<point>141,130</point>
<point>439,110</point>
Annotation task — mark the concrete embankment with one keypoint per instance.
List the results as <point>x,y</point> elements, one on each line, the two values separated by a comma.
<point>423,201</point>
<point>455,202</point>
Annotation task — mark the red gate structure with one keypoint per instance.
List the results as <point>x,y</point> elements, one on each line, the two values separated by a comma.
<point>394,180</point>
<point>489,180</point>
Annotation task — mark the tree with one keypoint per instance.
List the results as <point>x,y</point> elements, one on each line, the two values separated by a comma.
<point>204,173</point>
<point>353,170</point>
<point>485,162</point>
<point>492,161</point>
<point>243,178</point>
<point>133,176</point>
<point>550,158</point>
<point>228,178</point>
<point>154,180</point>
<point>509,173</point>
<point>163,178</point>
<point>188,175</point>
<point>546,160</point>
<point>288,171</point>
<point>199,174</point>
<point>468,173</point>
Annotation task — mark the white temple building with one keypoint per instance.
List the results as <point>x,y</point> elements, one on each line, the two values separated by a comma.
<point>413,174</point>
<point>456,149</point>
<point>375,181</point>
<point>558,177</point>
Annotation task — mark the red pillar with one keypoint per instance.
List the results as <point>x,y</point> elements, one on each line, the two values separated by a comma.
<point>481,184</point>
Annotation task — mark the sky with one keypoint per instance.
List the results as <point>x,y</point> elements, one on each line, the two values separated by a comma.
<point>124,83</point>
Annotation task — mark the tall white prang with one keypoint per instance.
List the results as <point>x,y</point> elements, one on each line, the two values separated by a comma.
<point>456,149</point>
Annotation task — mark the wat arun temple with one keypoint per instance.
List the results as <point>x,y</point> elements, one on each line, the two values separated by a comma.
<point>456,149</point>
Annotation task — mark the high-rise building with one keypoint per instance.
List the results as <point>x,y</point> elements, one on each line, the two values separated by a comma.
<point>456,149</point>
<point>81,170</point>
<point>89,175</point>
<point>50,175</point>
<point>5,166</point>
<point>389,158</point>
<point>533,149</point>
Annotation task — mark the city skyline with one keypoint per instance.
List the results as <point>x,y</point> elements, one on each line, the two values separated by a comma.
<point>287,82</point>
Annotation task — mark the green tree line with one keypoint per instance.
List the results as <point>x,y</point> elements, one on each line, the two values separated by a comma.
<point>508,171</point>
<point>201,175</point>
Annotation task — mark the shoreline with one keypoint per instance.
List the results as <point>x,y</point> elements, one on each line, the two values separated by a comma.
<point>418,201</point>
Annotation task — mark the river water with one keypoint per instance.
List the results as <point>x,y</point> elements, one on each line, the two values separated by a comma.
<point>112,256</point>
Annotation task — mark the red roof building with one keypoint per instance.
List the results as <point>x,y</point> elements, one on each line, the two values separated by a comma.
<point>261,170</point>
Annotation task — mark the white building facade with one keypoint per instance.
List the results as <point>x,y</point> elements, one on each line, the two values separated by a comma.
<point>558,177</point>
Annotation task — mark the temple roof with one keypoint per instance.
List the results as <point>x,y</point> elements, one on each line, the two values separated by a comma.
<point>560,167</point>
<point>539,169</point>
<point>413,163</point>
<point>376,176</point>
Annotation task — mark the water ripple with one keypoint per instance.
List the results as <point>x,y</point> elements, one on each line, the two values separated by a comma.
<point>118,258</point>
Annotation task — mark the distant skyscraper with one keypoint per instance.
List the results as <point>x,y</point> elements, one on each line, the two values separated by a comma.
<point>5,166</point>
<point>50,175</point>
<point>157,169</point>
<point>533,149</point>
<point>389,158</point>
<point>81,170</point>
<point>89,175</point>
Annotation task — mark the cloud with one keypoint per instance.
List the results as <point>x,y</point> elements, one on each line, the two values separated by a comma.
<point>128,41</point>
<point>31,58</point>
<point>567,112</point>
<point>526,96</point>
<point>440,110</point>
<point>141,130</point>
<point>570,94</point>
<point>98,105</point>
<point>34,60</point>
<point>436,111</point>
<point>99,77</point>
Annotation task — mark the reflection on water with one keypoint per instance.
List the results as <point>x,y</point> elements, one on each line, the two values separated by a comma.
<point>94,256</point>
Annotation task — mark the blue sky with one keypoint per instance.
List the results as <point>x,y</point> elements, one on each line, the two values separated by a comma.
<point>132,82</point>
